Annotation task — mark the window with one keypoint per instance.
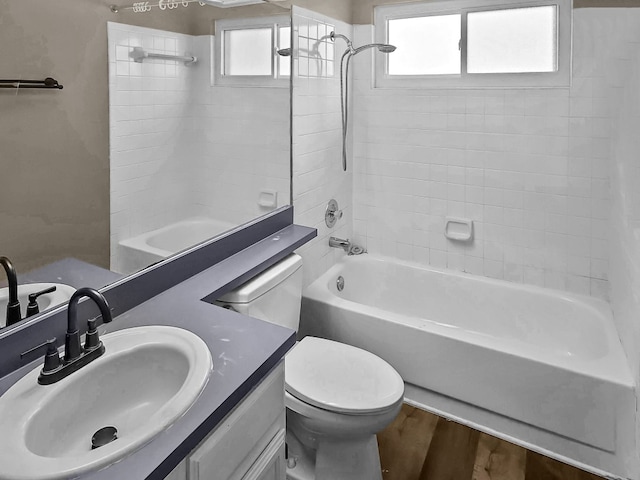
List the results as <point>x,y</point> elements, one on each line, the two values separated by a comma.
<point>518,40</point>
<point>475,43</point>
<point>426,45</point>
<point>247,52</point>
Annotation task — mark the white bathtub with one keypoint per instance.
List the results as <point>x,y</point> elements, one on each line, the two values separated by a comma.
<point>545,358</point>
<point>143,250</point>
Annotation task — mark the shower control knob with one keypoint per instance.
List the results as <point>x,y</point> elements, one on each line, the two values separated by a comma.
<point>332,214</point>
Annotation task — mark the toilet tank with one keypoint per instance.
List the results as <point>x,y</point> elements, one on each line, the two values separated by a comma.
<point>273,295</point>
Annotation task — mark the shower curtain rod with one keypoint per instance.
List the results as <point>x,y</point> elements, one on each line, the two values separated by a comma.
<point>142,7</point>
<point>146,6</point>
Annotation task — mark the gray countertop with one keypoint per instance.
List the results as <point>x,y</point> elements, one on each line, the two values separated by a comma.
<point>177,292</point>
<point>70,271</point>
<point>243,349</point>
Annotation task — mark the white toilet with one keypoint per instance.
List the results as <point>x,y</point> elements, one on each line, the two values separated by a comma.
<point>337,396</point>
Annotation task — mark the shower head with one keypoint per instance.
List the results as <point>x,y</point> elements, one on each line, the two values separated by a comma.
<point>382,48</point>
<point>386,48</point>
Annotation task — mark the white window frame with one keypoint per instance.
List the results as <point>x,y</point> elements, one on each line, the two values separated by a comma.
<point>274,80</point>
<point>559,78</point>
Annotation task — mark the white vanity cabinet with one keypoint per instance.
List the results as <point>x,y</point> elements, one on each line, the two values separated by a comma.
<point>249,444</point>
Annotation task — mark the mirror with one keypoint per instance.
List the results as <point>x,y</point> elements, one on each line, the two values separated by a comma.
<point>127,147</point>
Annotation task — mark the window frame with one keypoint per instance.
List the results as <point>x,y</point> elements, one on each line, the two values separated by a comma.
<point>220,53</point>
<point>559,78</point>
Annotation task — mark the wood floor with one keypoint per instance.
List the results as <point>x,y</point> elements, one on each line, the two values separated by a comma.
<point>421,446</point>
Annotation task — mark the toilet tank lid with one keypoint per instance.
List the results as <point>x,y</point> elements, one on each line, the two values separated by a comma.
<point>265,281</point>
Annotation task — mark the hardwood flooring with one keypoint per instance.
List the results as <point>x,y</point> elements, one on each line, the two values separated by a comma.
<point>421,446</point>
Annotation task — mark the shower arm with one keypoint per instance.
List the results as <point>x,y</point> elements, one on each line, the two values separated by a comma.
<point>334,35</point>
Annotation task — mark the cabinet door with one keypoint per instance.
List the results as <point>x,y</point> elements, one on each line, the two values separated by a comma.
<point>243,435</point>
<point>271,465</point>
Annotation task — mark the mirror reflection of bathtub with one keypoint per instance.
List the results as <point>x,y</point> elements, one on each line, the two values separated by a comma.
<point>143,250</point>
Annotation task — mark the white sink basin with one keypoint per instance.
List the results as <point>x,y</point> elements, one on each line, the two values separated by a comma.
<point>61,295</point>
<point>146,380</point>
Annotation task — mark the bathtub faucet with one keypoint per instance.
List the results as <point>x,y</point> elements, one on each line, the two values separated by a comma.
<point>336,242</point>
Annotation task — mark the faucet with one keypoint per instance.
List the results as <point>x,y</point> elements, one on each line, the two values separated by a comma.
<point>75,356</point>
<point>336,242</point>
<point>13,307</point>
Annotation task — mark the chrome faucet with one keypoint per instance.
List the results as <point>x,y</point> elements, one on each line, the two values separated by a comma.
<point>336,242</point>
<point>13,307</point>
<point>75,356</point>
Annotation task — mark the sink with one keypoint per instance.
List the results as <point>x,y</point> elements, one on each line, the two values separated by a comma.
<point>61,295</point>
<point>146,380</point>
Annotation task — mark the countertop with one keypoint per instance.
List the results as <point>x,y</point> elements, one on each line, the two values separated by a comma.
<point>243,349</point>
<point>179,292</point>
<point>72,272</point>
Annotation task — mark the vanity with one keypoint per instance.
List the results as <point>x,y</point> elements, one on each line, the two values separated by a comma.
<point>249,444</point>
<point>235,429</point>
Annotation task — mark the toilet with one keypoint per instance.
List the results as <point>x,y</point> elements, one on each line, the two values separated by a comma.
<point>337,396</point>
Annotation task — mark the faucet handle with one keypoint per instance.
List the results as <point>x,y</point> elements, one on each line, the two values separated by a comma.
<point>332,214</point>
<point>92,339</point>
<point>52,357</point>
<point>32,307</point>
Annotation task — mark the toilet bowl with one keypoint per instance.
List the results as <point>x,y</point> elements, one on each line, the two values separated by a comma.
<point>325,445</point>
<point>311,423</point>
<point>337,396</point>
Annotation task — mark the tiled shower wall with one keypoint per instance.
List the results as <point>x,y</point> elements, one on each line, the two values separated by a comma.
<point>244,134</point>
<point>246,152</point>
<point>317,137</point>
<point>528,166</point>
<point>624,270</point>
<point>182,148</point>
<point>152,164</point>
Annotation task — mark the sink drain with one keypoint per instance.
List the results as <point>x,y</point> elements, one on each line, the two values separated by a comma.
<point>103,436</point>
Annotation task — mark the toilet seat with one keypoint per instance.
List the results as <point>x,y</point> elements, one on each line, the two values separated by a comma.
<point>341,378</point>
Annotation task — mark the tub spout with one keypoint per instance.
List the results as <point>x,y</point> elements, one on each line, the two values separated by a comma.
<point>339,243</point>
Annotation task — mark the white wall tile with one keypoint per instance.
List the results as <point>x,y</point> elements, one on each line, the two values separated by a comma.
<point>181,148</point>
<point>617,241</point>
<point>520,163</point>
<point>317,140</point>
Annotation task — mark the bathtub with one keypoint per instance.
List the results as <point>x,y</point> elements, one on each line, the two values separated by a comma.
<point>143,250</point>
<point>540,357</point>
